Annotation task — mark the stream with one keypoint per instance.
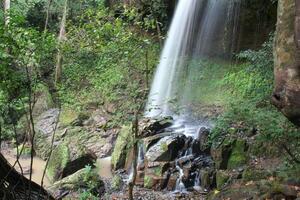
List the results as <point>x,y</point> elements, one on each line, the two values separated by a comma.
<point>103,164</point>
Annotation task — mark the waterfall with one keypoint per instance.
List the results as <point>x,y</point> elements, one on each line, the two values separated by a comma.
<point>199,29</point>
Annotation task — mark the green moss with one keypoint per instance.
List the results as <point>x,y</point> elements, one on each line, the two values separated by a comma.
<point>255,175</point>
<point>68,116</point>
<point>122,146</point>
<point>116,182</point>
<point>221,178</point>
<point>164,147</point>
<point>158,171</point>
<point>238,156</point>
<point>148,182</point>
<point>58,160</point>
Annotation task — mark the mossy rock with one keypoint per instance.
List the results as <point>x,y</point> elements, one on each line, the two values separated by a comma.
<point>122,148</point>
<point>44,100</point>
<point>57,162</point>
<point>148,182</point>
<point>67,158</point>
<point>116,183</point>
<point>221,178</point>
<point>68,116</point>
<point>238,156</point>
<point>83,179</point>
<point>221,153</point>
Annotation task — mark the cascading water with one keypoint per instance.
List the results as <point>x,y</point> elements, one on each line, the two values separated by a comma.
<point>201,29</point>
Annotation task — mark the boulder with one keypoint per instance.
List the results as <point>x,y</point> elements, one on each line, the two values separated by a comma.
<point>221,152</point>
<point>166,149</point>
<point>43,100</point>
<point>122,148</point>
<point>45,126</point>
<point>149,127</point>
<point>83,179</point>
<point>203,136</point>
<point>67,158</point>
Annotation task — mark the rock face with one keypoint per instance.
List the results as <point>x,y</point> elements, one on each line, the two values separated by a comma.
<point>287,60</point>
<point>45,127</point>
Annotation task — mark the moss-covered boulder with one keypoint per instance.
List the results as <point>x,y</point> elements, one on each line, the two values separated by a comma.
<point>122,148</point>
<point>238,156</point>
<point>86,178</point>
<point>67,158</point>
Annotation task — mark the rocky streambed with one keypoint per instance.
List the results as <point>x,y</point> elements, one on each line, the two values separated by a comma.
<point>169,158</point>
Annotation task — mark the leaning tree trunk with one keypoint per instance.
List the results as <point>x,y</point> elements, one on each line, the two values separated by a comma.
<point>286,96</point>
<point>15,186</point>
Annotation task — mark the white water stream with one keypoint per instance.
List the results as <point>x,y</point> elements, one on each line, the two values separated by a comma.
<point>200,29</point>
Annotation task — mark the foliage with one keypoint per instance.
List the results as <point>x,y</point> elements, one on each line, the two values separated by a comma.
<point>148,15</point>
<point>250,109</point>
<point>25,53</point>
<point>90,179</point>
<point>105,60</point>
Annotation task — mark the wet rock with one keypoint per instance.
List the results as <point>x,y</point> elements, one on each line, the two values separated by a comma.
<point>166,149</point>
<point>149,127</point>
<point>122,148</point>
<point>151,140</point>
<point>203,137</point>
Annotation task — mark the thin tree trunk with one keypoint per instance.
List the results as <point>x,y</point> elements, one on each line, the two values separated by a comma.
<point>6,11</point>
<point>61,38</point>
<point>135,155</point>
<point>47,15</point>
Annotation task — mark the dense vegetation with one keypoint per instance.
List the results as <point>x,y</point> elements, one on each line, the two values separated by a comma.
<point>108,54</point>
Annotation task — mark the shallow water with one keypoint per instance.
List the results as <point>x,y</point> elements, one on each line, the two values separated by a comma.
<point>37,169</point>
<point>104,165</point>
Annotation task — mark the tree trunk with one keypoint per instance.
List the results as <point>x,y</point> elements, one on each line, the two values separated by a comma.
<point>286,96</point>
<point>15,186</point>
<point>61,38</point>
<point>47,15</point>
<point>135,129</point>
<point>6,5</point>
